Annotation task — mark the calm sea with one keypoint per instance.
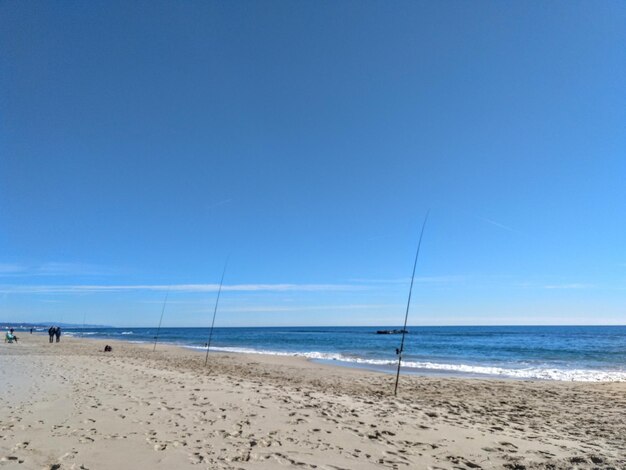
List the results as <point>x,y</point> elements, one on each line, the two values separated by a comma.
<point>579,353</point>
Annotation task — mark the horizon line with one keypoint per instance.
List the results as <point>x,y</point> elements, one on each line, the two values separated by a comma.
<point>331,326</point>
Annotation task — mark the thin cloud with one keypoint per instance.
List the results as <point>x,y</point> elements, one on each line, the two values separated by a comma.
<point>187,288</point>
<point>425,279</point>
<point>308,308</point>
<point>53,269</point>
<point>11,269</point>
<point>72,269</point>
<point>568,286</point>
<point>381,281</point>
<point>441,279</point>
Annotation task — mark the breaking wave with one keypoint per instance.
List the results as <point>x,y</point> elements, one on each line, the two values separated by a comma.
<point>537,373</point>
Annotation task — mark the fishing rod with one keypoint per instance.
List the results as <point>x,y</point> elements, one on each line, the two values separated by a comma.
<point>406,315</point>
<point>161,319</point>
<point>219,291</point>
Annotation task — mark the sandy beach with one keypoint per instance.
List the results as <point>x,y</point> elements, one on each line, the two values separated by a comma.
<point>72,406</point>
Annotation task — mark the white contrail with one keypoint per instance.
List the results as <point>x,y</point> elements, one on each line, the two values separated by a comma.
<point>498,224</point>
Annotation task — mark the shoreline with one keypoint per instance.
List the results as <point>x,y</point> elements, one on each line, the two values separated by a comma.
<point>71,404</point>
<point>461,370</point>
<point>322,362</point>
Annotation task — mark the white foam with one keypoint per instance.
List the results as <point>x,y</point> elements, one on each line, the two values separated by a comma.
<point>127,333</point>
<point>540,373</point>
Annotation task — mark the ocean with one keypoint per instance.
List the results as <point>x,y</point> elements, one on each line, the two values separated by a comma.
<point>571,353</point>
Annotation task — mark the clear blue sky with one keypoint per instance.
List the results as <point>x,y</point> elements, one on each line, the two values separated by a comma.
<point>142,142</point>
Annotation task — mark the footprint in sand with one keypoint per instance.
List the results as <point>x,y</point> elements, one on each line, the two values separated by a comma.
<point>21,445</point>
<point>196,458</point>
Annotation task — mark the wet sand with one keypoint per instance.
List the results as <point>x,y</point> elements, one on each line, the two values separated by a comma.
<point>72,406</point>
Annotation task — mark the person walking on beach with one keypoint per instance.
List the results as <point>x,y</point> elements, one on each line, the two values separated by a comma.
<point>51,332</point>
<point>57,333</point>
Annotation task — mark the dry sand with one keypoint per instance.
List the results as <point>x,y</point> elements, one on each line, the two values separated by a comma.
<point>72,406</point>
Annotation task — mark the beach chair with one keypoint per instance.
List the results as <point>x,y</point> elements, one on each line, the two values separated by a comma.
<point>9,338</point>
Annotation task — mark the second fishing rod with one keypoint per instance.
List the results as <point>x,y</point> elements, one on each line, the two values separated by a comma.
<point>217,300</point>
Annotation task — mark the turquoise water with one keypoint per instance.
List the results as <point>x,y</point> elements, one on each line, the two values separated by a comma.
<point>580,353</point>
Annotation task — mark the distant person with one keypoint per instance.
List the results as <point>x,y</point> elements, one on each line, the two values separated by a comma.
<point>51,333</point>
<point>31,331</point>
<point>57,333</point>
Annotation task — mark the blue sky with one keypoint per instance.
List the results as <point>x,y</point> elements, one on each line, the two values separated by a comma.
<point>141,143</point>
